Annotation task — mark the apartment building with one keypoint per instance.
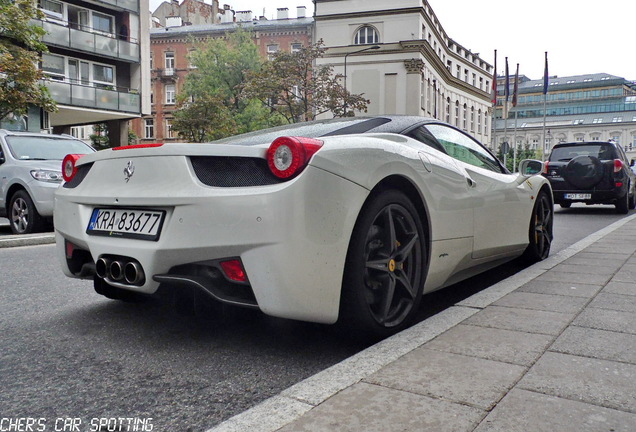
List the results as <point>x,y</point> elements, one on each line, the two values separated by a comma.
<point>96,65</point>
<point>591,107</point>
<point>400,57</point>
<point>170,47</point>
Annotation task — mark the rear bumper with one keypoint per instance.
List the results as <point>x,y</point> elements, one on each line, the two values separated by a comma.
<point>595,197</point>
<point>284,240</point>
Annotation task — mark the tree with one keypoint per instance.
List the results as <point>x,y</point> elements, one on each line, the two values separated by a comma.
<point>211,104</point>
<point>20,50</point>
<point>99,139</point>
<point>522,153</point>
<point>293,86</point>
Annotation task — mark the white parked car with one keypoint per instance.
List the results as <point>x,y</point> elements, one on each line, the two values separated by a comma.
<point>30,172</point>
<point>351,219</point>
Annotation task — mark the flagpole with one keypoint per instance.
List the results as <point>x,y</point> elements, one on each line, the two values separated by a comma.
<point>504,149</point>
<point>514,105</point>
<point>494,106</point>
<point>545,99</point>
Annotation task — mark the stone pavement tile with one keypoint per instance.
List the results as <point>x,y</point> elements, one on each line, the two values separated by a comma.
<point>523,320</point>
<point>493,344</point>
<point>574,278</point>
<point>599,382</point>
<point>564,288</point>
<point>625,288</point>
<point>524,411</point>
<point>568,267</point>
<point>600,344</point>
<point>466,380</point>
<point>605,319</point>
<point>544,302</point>
<point>626,274</point>
<point>618,250</point>
<point>617,302</point>
<point>370,408</point>
<point>606,263</point>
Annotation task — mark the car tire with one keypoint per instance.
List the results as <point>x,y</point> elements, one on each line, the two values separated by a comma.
<point>114,293</point>
<point>623,203</point>
<point>540,232</point>
<point>23,216</point>
<point>385,267</point>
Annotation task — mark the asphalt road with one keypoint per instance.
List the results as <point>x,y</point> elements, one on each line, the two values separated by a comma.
<point>67,353</point>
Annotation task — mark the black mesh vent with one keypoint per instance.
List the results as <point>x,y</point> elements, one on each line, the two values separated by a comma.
<point>233,171</point>
<point>82,171</point>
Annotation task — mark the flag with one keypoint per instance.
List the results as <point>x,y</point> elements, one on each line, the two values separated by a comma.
<point>507,89</point>
<point>506,105</point>
<point>494,83</point>
<point>515,88</point>
<point>545,75</point>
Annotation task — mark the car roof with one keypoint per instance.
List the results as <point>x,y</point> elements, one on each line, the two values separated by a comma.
<point>6,132</point>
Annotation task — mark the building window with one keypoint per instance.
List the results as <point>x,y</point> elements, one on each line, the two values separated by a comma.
<point>366,35</point>
<point>103,74</point>
<point>169,55</point>
<point>149,128</point>
<point>53,9</point>
<point>295,47</point>
<point>170,94</point>
<point>271,50</point>
<point>103,23</point>
<point>151,61</point>
<point>53,66</point>
<point>169,133</point>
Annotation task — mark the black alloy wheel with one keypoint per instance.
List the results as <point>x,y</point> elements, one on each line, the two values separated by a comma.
<point>386,266</point>
<point>540,232</point>
<point>23,216</point>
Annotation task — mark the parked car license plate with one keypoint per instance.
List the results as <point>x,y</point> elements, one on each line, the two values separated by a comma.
<point>577,196</point>
<point>132,223</point>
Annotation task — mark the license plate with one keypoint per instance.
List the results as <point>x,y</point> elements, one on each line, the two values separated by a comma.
<point>131,223</point>
<point>577,196</point>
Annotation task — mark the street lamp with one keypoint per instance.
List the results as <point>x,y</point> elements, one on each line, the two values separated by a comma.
<point>373,47</point>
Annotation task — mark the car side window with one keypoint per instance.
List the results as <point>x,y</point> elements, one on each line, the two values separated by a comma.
<point>464,148</point>
<point>422,135</point>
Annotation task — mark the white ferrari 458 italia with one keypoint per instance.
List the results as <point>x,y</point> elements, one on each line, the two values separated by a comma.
<point>348,220</point>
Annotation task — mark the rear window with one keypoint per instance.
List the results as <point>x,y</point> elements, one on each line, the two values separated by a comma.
<point>566,153</point>
<point>45,148</point>
<point>311,129</point>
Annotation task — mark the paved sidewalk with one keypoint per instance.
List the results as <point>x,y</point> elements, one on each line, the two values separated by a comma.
<point>552,348</point>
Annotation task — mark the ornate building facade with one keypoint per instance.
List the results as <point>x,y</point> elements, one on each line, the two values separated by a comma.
<point>416,69</point>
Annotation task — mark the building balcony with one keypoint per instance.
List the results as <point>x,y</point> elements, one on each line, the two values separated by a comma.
<point>102,98</point>
<point>130,5</point>
<point>104,45</point>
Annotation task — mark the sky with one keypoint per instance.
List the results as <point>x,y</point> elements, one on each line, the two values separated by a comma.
<point>580,37</point>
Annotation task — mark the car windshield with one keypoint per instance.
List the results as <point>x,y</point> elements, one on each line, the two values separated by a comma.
<point>44,148</point>
<point>307,129</point>
<point>566,153</point>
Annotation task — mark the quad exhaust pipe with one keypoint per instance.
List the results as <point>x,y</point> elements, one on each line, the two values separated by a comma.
<point>122,269</point>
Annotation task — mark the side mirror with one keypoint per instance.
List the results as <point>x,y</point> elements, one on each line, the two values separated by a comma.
<point>530,167</point>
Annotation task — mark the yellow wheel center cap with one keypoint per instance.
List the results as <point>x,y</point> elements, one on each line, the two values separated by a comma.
<point>392,265</point>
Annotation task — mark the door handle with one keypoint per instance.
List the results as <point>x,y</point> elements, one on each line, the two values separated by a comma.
<point>471,182</point>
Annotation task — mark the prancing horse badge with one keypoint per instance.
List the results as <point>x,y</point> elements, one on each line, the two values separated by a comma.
<point>129,171</point>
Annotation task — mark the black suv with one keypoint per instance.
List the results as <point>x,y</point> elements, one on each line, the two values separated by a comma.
<point>593,173</point>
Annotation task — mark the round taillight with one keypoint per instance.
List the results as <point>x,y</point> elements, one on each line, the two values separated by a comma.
<point>288,156</point>
<point>68,166</point>
<point>618,165</point>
